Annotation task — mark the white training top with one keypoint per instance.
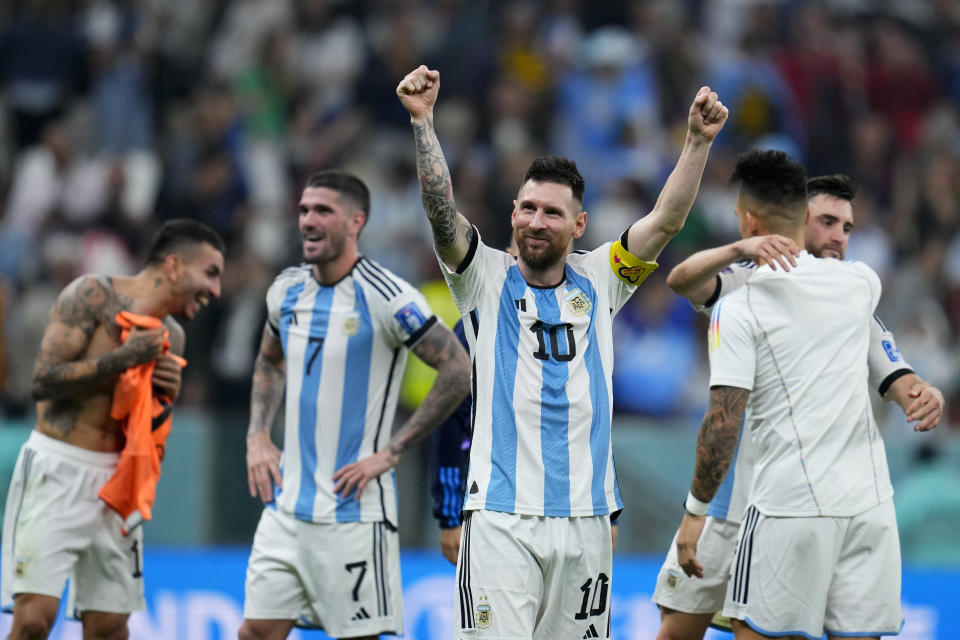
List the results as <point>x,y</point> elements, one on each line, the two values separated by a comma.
<point>884,362</point>
<point>345,347</point>
<point>799,342</point>
<point>543,359</point>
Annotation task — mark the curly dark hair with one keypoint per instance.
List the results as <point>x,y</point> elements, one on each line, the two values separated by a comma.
<point>558,170</point>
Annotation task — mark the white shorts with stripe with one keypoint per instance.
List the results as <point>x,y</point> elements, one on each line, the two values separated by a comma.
<point>342,577</point>
<point>533,577</point>
<point>810,576</point>
<point>55,527</point>
<point>680,592</point>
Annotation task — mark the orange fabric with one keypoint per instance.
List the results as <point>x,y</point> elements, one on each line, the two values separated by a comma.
<point>132,488</point>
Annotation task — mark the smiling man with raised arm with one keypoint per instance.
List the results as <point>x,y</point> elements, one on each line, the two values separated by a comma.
<point>535,552</point>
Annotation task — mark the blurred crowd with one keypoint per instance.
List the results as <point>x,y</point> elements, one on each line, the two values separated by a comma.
<point>116,115</point>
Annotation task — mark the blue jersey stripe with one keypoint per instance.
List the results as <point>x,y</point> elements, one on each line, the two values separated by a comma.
<point>502,489</point>
<point>554,407</point>
<point>312,366</point>
<point>353,415</point>
<point>600,404</point>
<point>287,316</point>
<point>720,505</point>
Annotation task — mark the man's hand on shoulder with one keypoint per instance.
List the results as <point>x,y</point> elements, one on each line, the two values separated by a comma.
<point>772,249</point>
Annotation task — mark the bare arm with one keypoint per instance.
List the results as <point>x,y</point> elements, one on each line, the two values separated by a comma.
<point>648,236</point>
<point>269,380</point>
<point>452,232</point>
<point>920,400</point>
<point>440,349</point>
<point>716,445</point>
<point>694,278</point>
<point>60,370</point>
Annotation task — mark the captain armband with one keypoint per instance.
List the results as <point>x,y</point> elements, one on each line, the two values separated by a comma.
<point>628,267</point>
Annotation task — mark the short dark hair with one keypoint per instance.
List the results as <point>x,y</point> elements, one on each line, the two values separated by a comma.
<point>772,177</point>
<point>346,184</point>
<point>178,234</point>
<point>838,185</point>
<point>558,170</point>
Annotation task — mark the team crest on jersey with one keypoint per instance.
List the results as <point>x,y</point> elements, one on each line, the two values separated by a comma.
<point>410,317</point>
<point>484,613</point>
<point>351,324</point>
<point>578,303</point>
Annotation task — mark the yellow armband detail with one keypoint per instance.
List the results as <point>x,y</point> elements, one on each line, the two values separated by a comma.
<point>629,267</point>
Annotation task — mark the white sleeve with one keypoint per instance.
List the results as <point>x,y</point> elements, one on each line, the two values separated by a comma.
<point>407,316</point>
<point>274,302</point>
<point>729,280</point>
<point>873,280</point>
<point>883,357</point>
<point>466,282</point>
<point>732,345</point>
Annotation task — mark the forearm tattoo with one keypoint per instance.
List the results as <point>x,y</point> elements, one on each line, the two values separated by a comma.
<point>717,440</point>
<point>441,350</point>
<point>269,378</point>
<point>436,187</point>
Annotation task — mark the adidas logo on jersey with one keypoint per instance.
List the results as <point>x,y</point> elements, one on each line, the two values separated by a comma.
<point>591,632</point>
<point>474,488</point>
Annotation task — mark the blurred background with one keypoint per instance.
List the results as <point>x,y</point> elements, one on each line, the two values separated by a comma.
<point>116,115</point>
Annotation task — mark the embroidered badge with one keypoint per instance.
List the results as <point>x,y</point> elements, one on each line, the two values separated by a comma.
<point>484,613</point>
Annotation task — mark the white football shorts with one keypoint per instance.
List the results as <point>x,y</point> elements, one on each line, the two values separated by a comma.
<point>342,577</point>
<point>533,577</point>
<point>808,576</point>
<point>55,527</point>
<point>687,594</point>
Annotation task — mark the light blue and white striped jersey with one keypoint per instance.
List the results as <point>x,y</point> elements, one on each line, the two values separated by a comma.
<point>884,362</point>
<point>543,360</point>
<point>345,347</point>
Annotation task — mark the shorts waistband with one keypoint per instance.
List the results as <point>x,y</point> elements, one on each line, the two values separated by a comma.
<point>52,446</point>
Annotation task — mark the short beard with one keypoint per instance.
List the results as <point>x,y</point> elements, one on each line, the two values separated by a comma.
<point>333,250</point>
<point>550,256</point>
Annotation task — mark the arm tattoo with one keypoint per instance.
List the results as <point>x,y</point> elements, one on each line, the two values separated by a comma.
<point>269,380</point>
<point>717,440</point>
<point>59,372</point>
<point>441,350</point>
<point>436,187</point>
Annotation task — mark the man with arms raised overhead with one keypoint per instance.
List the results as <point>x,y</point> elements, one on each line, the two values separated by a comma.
<point>535,553</point>
<point>688,603</point>
<point>338,330</point>
<point>55,525</point>
<point>788,358</point>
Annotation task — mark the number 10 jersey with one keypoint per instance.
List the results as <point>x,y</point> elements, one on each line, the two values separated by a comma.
<point>542,366</point>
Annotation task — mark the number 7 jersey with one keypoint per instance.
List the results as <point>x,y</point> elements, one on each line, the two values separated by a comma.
<point>542,366</point>
<point>345,347</point>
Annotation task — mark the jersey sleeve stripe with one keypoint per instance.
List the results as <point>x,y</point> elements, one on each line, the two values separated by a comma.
<point>472,251</point>
<point>419,333</point>
<point>375,281</point>
<point>890,379</point>
<point>376,268</point>
<point>383,411</point>
<point>715,295</point>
